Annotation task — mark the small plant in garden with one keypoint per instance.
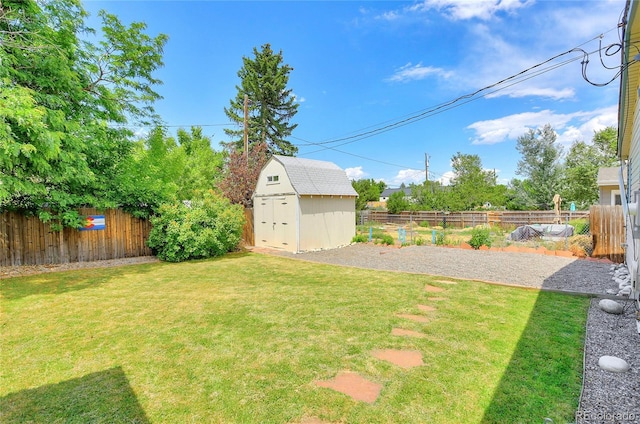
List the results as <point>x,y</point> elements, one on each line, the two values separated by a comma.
<point>480,236</point>
<point>209,227</point>
<point>440,239</point>
<point>580,226</point>
<point>419,241</point>
<point>360,238</point>
<point>385,239</point>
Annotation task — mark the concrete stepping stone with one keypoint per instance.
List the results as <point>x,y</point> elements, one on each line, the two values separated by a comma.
<point>354,386</point>
<point>401,358</point>
<point>437,299</point>
<point>433,289</point>
<point>426,308</point>
<point>312,420</point>
<point>403,332</point>
<point>412,317</point>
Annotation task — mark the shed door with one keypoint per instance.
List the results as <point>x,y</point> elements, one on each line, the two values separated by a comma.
<point>278,222</point>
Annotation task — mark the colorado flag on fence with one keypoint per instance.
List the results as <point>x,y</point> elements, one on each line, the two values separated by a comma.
<point>94,222</point>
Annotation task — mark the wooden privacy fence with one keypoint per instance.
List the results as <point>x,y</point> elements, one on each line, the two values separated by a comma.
<point>248,236</point>
<point>471,219</point>
<point>27,241</point>
<point>607,231</point>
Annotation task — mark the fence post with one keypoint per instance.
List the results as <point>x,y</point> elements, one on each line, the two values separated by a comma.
<point>566,234</point>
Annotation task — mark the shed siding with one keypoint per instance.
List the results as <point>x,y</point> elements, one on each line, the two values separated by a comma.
<point>282,186</point>
<point>326,222</point>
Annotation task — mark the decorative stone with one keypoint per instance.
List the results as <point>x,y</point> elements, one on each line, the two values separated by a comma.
<point>611,291</point>
<point>613,364</point>
<point>409,333</point>
<point>626,291</point>
<point>610,306</point>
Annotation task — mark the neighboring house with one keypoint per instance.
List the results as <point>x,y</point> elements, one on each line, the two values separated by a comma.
<point>609,186</point>
<point>302,204</point>
<point>629,142</point>
<point>384,196</point>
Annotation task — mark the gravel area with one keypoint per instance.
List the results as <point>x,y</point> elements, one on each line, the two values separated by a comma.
<point>606,398</point>
<point>21,271</point>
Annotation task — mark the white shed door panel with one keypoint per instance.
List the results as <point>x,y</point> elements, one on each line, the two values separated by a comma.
<point>277,222</point>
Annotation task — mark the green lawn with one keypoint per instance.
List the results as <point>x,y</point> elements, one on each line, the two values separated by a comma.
<point>242,339</point>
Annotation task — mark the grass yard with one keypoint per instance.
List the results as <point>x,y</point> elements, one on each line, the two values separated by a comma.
<point>241,339</point>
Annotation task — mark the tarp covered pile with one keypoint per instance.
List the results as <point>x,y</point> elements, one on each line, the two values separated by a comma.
<point>544,231</point>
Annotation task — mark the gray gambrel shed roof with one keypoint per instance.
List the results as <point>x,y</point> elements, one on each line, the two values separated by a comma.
<point>316,177</point>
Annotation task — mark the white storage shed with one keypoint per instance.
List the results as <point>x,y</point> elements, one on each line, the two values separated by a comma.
<point>302,204</point>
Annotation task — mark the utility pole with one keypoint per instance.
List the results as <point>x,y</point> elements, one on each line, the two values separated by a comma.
<point>246,128</point>
<point>426,167</point>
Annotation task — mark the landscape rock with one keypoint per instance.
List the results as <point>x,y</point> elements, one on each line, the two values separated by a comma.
<point>610,306</point>
<point>613,364</point>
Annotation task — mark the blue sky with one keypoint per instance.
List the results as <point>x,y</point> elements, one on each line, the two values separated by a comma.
<point>363,65</point>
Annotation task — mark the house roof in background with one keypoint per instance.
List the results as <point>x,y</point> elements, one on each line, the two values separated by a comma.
<point>389,191</point>
<point>610,176</point>
<point>316,177</point>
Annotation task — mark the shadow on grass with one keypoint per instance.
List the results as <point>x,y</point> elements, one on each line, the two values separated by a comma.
<point>66,281</point>
<point>101,397</point>
<point>543,378</point>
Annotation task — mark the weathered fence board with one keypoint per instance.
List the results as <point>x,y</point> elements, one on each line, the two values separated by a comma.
<point>248,235</point>
<point>26,240</point>
<point>607,231</point>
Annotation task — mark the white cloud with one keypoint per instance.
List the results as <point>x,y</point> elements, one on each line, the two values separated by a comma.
<point>355,173</point>
<point>569,126</point>
<point>408,176</point>
<point>297,98</point>
<point>411,72</point>
<point>445,179</point>
<point>469,9</point>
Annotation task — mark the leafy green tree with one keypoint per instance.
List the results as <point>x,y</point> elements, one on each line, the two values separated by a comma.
<point>272,105</point>
<point>430,196</point>
<point>580,177</point>
<point>203,166</point>
<point>540,165</point>
<point>472,186</point>
<point>517,196</point>
<point>368,190</point>
<point>59,95</point>
<point>397,202</point>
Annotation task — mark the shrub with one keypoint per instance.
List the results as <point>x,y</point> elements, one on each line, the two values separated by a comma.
<point>360,238</point>
<point>419,241</point>
<point>440,239</point>
<point>580,226</point>
<point>207,228</point>
<point>384,239</point>
<point>480,236</point>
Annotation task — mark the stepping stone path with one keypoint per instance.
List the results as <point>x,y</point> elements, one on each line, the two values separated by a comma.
<point>426,308</point>
<point>403,332</point>
<point>361,389</point>
<point>433,289</point>
<point>401,358</point>
<point>353,385</point>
